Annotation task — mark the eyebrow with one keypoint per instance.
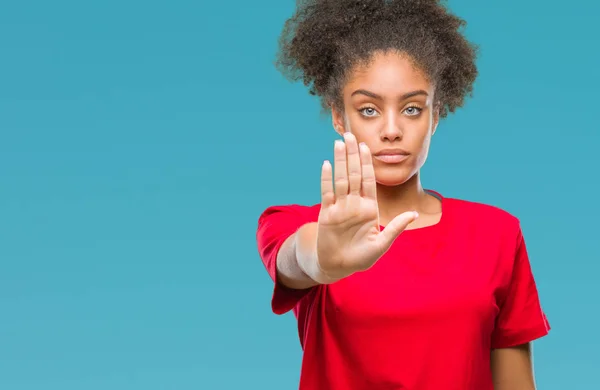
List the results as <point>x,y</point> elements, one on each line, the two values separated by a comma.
<point>375,96</point>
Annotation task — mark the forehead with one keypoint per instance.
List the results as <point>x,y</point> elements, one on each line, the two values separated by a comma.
<point>388,74</point>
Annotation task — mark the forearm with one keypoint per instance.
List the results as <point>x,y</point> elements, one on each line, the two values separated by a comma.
<point>297,263</point>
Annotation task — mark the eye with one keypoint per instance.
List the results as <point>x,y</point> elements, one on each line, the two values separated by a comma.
<point>368,112</point>
<point>412,110</point>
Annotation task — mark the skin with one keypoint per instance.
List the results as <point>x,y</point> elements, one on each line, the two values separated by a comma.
<point>387,103</point>
<point>512,368</point>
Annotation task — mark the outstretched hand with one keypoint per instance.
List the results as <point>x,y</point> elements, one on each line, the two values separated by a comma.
<point>349,238</point>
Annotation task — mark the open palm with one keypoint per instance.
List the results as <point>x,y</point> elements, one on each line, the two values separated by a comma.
<point>349,238</point>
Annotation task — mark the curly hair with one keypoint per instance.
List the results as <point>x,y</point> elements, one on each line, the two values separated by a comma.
<point>325,39</point>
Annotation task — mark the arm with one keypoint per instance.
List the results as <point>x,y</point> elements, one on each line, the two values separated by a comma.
<point>512,368</point>
<point>349,238</point>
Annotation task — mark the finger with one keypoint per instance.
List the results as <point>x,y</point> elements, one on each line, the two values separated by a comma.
<point>394,228</point>
<point>327,194</point>
<point>354,168</point>
<point>340,170</point>
<point>369,184</point>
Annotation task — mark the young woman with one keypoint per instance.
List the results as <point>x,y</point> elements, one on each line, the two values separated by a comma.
<point>395,286</point>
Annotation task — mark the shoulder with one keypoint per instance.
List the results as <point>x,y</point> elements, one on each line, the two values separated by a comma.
<point>277,222</point>
<point>486,218</point>
<point>308,213</point>
<point>483,211</point>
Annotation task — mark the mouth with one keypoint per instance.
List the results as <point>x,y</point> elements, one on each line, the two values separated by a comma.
<point>391,156</point>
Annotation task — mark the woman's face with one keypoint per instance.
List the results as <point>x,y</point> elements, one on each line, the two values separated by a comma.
<point>388,105</point>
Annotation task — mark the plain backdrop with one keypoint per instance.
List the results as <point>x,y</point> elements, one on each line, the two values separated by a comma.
<point>140,141</point>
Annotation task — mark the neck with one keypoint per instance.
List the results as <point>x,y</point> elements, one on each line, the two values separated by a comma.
<point>395,200</point>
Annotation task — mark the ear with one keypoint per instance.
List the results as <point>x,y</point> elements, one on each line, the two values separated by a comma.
<point>338,121</point>
<point>436,118</point>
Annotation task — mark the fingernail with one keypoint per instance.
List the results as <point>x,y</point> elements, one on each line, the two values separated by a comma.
<point>416,214</point>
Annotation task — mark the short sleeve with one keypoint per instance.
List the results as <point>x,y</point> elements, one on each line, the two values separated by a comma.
<point>520,319</point>
<point>275,225</point>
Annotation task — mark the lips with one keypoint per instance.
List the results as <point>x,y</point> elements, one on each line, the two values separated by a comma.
<point>391,156</point>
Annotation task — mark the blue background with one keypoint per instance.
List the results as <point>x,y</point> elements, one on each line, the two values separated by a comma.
<point>140,140</point>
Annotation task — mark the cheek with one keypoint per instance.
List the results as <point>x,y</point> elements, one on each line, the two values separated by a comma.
<point>418,138</point>
<point>362,130</point>
<point>424,142</point>
<point>421,131</point>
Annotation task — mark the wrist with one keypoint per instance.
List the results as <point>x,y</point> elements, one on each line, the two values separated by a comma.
<point>323,276</point>
<point>307,257</point>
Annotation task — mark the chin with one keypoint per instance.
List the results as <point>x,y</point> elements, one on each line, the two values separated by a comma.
<point>393,176</point>
<point>391,181</point>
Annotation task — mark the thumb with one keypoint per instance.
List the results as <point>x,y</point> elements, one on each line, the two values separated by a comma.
<point>394,228</point>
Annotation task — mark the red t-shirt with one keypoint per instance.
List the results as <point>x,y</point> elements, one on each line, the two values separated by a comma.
<point>426,315</point>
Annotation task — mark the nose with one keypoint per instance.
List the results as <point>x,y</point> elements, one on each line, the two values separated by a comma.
<point>392,130</point>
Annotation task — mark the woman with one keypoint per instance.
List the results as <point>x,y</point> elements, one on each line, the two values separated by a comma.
<point>394,286</point>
